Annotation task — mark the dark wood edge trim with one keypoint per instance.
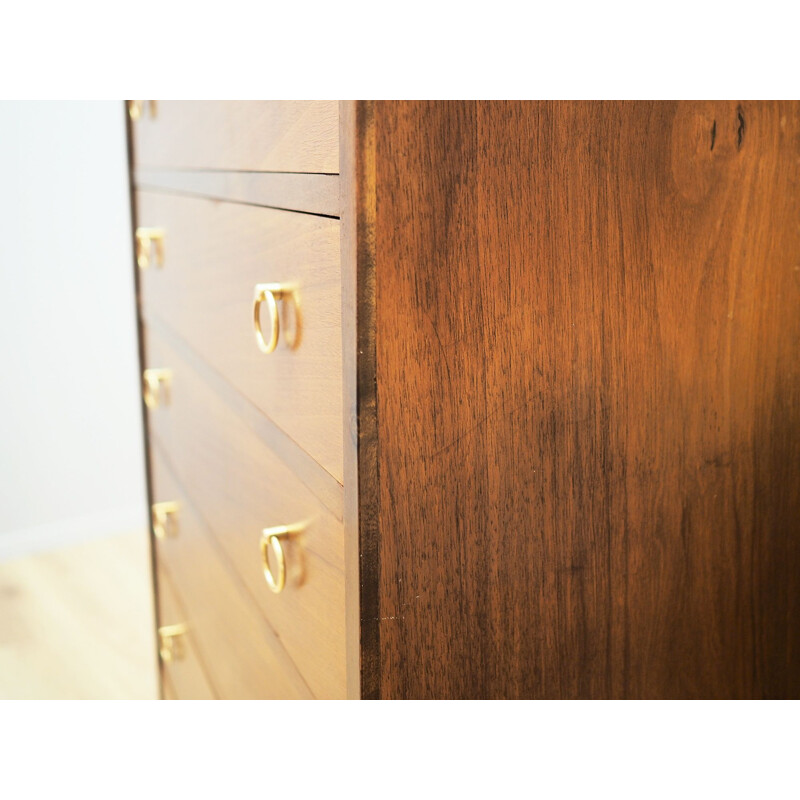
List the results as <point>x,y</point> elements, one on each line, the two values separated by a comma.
<point>361,504</point>
<point>142,361</point>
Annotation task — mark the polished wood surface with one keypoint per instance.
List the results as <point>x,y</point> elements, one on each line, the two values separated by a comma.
<point>241,653</point>
<point>261,136</point>
<point>310,193</point>
<point>215,254</point>
<point>588,400</point>
<point>183,678</point>
<point>239,486</point>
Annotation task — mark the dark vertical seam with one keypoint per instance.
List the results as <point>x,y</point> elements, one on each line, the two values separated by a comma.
<point>129,123</point>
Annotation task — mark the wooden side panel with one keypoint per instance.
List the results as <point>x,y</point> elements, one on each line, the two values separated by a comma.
<point>588,329</point>
<point>263,136</point>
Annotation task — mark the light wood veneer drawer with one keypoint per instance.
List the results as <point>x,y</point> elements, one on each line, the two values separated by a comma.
<point>242,655</point>
<point>214,254</point>
<point>182,674</point>
<point>241,487</point>
<point>273,136</point>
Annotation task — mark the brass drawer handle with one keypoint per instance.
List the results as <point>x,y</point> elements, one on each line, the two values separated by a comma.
<point>165,519</point>
<point>136,107</point>
<point>272,539</point>
<point>157,383</point>
<point>271,293</point>
<point>149,240</point>
<point>171,643</point>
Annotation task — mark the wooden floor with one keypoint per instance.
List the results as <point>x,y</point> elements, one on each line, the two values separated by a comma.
<point>78,623</point>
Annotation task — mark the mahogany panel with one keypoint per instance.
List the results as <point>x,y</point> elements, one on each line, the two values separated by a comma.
<point>588,400</point>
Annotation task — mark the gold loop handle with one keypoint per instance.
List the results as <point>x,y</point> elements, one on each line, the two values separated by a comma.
<point>150,389</point>
<point>170,642</point>
<point>272,539</point>
<point>148,239</point>
<point>292,297</point>
<point>265,293</point>
<point>270,293</point>
<point>153,380</point>
<point>276,584</point>
<point>135,108</point>
<point>164,519</point>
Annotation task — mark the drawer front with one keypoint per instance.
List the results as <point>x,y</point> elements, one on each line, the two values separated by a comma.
<point>240,652</point>
<point>240,487</point>
<point>214,254</point>
<point>182,676</point>
<point>269,136</point>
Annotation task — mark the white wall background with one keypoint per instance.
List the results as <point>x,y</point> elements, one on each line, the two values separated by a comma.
<point>71,460</point>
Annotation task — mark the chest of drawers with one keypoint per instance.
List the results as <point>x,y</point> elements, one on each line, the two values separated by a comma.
<point>463,399</point>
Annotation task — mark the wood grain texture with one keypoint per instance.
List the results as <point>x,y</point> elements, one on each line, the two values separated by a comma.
<point>239,486</point>
<point>242,654</point>
<point>215,254</point>
<point>587,325</point>
<point>312,194</point>
<point>262,136</point>
<point>182,678</point>
<point>321,483</point>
